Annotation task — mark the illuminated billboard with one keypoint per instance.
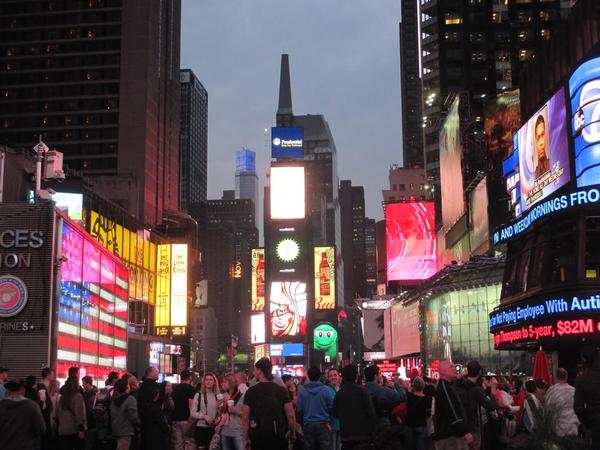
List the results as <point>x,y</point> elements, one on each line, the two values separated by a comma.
<point>287,142</point>
<point>258,279</point>
<point>287,193</point>
<point>257,329</point>
<point>543,150</point>
<point>324,260</point>
<point>404,336</point>
<point>502,120</point>
<point>71,204</point>
<point>411,242</point>
<point>584,92</point>
<point>451,180</point>
<point>162,310</point>
<point>478,218</point>
<point>179,276</point>
<point>288,303</point>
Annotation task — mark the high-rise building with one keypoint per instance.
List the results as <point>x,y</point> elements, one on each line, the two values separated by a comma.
<point>194,141</point>
<point>410,84</point>
<point>407,185</point>
<point>246,179</point>
<point>98,80</point>
<point>370,256</point>
<point>352,210</point>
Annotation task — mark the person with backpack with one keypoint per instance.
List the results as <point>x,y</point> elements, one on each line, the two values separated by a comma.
<point>124,419</point>
<point>101,411</point>
<point>205,408</point>
<point>315,401</point>
<point>71,416</point>
<point>268,412</point>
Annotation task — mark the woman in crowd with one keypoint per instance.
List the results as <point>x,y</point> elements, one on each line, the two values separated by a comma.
<point>70,416</point>
<point>205,408</point>
<point>232,437</point>
<point>166,399</point>
<point>124,415</point>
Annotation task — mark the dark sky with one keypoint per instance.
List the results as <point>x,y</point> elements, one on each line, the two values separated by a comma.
<point>344,64</point>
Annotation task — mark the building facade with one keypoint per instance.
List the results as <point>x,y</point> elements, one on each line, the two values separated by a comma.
<point>246,179</point>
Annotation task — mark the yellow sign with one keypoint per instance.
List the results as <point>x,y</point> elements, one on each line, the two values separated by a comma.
<point>163,287</point>
<point>324,270</point>
<point>179,253</point>
<point>258,279</point>
<point>261,351</point>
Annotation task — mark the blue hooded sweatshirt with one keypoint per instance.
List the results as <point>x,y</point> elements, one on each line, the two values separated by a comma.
<point>315,402</point>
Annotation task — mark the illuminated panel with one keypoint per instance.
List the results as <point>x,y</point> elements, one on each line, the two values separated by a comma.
<point>288,308</point>
<point>584,91</point>
<point>257,329</point>
<point>179,285</point>
<point>287,142</point>
<point>324,258</point>
<point>478,218</point>
<point>287,193</point>
<point>410,241</point>
<point>163,289</point>
<point>258,279</point>
<point>543,150</point>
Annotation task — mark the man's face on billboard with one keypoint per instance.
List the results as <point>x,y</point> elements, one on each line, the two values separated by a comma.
<point>540,140</point>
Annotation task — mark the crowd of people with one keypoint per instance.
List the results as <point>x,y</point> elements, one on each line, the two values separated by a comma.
<point>327,410</point>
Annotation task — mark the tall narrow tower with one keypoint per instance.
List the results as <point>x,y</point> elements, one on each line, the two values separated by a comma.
<point>285,114</point>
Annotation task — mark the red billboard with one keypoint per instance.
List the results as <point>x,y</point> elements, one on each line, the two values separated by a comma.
<point>411,244</point>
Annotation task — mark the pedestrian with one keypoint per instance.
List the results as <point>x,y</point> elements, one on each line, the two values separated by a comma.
<point>418,406</point>
<point>101,411</point>
<point>450,419</point>
<point>183,396</point>
<point>587,394</point>
<point>531,406</point>
<point>148,386</point>
<point>334,379</point>
<point>70,416</point>
<point>205,408</point>
<point>154,426</point>
<point>268,412</point>
<point>31,388</point>
<point>3,380</point>
<point>232,436</point>
<point>560,398</point>
<point>242,381</point>
<point>166,400</point>
<point>125,422</point>
<point>21,421</point>
<point>48,375</point>
<point>353,406</point>
<point>89,397</point>
<point>49,408</point>
<point>384,399</point>
<point>315,402</point>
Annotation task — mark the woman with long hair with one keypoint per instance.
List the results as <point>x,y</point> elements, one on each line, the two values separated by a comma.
<point>70,415</point>
<point>205,408</point>
<point>166,400</point>
<point>232,437</point>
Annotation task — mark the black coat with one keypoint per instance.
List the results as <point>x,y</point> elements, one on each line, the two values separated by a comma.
<point>353,406</point>
<point>155,430</point>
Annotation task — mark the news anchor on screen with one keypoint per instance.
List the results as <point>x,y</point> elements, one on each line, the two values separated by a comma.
<point>540,141</point>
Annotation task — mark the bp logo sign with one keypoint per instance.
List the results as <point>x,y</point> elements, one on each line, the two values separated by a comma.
<point>13,296</point>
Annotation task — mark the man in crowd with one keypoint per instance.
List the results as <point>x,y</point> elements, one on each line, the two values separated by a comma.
<point>21,421</point>
<point>353,407</point>
<point>183,395</point>
<point>101,410</point>
<point>559,398</point>
<point>476,402</point>
<point>266,408</point>
<point>3,380</point>
<point>450,420</point>
<point>587,394</point>
<point>148,387</point>
<point>47,377</point>
<point>384,399</point>
<point>89,398</point>
<point>315,401</point>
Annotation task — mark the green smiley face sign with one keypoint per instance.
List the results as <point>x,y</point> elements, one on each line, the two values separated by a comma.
<point>325,340</point>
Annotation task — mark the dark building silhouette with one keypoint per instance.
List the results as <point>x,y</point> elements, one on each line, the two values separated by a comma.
<point>370,256</point>
<point>98,80</point>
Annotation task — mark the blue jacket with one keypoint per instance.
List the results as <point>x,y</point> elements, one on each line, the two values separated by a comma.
<point>384,399</point>
<point>315,402</point>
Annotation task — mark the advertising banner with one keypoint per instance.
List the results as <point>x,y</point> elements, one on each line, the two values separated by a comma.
<point>258,279</point>
<point>163,290</point>
<point>287,142</point>
<point>404,326</point>
<point>257,329</point>
<point>179,276</point>
<point>288,303</point>
<point>287,193</point>
<point>324,267</point>
<point>502,120</point>
<point>479,233</point>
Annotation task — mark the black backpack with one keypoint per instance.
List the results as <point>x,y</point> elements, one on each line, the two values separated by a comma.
<point>268,419</point>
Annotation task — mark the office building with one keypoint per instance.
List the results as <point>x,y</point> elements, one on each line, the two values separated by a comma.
<point>193,156</point>
<point>407,185</point>
<point>370,257</point>
<point>98,80</point>
<point>246,179</point>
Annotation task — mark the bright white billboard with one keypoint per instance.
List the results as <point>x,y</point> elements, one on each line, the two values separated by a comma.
<point>179,284</point>
<point>257,329</point>
<point>287,193</point>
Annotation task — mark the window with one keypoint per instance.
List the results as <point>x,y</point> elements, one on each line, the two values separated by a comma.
<point>453,19</point>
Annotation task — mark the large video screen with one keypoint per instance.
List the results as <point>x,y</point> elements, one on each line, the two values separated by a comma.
<point>257,329</point>
<point>258,279</point>
<point>287,142</point>
<point>451,180</point>
<point>584,91</point>
<point>411,242</point>
<point>543,150</point>
<point>288,308</point>
<point>478,218</point>
<point>287,193</point>
<point>324,266</point>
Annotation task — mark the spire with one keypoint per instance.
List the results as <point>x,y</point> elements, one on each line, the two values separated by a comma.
<point>285,88</point>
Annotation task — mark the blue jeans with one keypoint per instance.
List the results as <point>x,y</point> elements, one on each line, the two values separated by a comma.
<point>317,436</point>
<point>232,442</point>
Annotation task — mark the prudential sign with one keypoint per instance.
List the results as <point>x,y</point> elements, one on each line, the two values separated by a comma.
<point>287,142</point>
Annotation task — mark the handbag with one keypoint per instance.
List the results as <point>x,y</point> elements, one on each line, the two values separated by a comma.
<point>215,442</point>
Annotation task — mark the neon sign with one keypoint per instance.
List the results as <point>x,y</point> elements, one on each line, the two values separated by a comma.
<point>532,332</point>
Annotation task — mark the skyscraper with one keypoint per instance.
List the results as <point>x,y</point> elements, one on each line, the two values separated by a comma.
<point>370,252</point>
<point>98,80</point>
<point>246,179</point>
<point>194,141</point>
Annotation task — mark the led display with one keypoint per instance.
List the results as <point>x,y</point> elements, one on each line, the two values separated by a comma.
<point>410,241</point>
<point>287,250</point>
<point>404,338</point>
<point>179,286</point>
<point>584,91</point>
<point>542,146</point>
<point>287,142</point>
<point>324,279</point>
<point>287,349</point>
<point>288,303</point>
<point>257,329</point>
<point>71,204</point>
<point>163,290</point>
<point>478,218</point>
<point>287,193</point>
<point>258,279</point>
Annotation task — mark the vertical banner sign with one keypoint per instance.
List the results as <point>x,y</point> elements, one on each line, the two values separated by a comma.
<point>324,277</point>
<point>163,288</point>
<point>179,285</point>
<point>258,279</point>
